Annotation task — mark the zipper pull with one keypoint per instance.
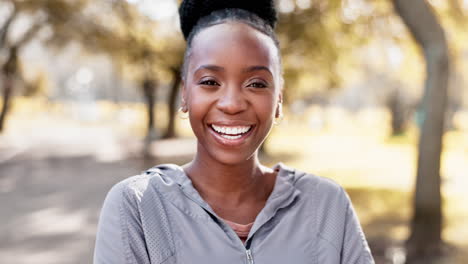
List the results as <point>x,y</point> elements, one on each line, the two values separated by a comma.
<point>249,256</point>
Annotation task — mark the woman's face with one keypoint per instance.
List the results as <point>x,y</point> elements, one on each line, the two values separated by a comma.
<point>232,91</point>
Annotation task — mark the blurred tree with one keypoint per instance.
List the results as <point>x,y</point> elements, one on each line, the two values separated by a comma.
<point>425,240</point>
<point>308,36</point>
<point>40,14</point>
<point>454,19</point>
<point>172,101</point>
<point>319,36</point>
<point>123,33</point>
<point>322,35</point>
<point>173,62</point>
<point>10,68</point>
<point>400,111</point>
<point>133,42</point>
<point>9,71</point>
<point>138,52</point>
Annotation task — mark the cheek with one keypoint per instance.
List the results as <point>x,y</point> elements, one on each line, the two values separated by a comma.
<point>265,110</point>
<point>198,106</point>
<point>199,100</point>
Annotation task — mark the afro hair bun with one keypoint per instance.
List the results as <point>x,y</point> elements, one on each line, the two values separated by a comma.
<point>191,11</point>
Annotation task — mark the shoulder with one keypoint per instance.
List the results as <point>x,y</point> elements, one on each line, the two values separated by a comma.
<point>320,189</point>
<point>135,189</point>
<point>132,213</point>
<point>334,217</point>
<point>327,201</point>
<point>132,187</point>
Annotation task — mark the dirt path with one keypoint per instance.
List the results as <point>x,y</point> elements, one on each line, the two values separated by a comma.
<point>53,183</point>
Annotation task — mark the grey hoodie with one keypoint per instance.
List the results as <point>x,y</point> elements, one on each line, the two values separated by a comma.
<point>159,217</point>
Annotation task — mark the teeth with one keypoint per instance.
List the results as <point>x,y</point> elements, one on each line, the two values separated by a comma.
<point>231,137</point>
<point>231,131</point>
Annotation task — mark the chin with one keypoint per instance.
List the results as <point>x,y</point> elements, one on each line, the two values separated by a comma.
<point>232,158</point>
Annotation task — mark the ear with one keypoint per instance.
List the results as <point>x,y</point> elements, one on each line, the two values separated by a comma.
<point>183,97</point>
<point>279,106</point>
<point>280,97</point>
<point>183,93</point>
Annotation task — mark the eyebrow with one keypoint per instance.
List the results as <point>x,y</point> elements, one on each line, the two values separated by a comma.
<point>258,68</point>
<point>246,70</point>
<point>210,67</point>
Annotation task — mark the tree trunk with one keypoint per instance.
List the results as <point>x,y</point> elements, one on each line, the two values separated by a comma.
<point>398,112</point>
<point>9,71</point>
<point>425,240</point>
<point>7,89</point>
<point>10,68</point>
<point>149,92</point>
<point>6,28</point>
<point>172,104</point>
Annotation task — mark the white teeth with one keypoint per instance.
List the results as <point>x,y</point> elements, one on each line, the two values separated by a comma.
<point>231,137</point>
<point>231,131</point>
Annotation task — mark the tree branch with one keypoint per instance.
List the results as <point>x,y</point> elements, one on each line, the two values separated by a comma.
<point>30,34</point>
<point>6,27</point>
<point>424,27</point>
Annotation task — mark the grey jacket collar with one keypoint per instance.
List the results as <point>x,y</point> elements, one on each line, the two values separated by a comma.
<point>283,194</point>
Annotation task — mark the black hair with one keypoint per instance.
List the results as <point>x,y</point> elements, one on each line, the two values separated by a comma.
<point>191,11</point>
<point>198,15</point>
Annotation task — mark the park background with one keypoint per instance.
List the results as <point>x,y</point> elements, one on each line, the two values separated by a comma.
<point>90,96</point>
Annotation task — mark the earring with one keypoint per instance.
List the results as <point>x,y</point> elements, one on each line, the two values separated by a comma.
<point>279,115</point>
<point>182,112</point>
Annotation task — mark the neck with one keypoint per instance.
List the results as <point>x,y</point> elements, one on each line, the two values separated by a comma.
<point>231,184</point>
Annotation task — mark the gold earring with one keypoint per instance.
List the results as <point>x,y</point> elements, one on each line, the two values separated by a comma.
<point>279,115</point>
<point>183,112</point>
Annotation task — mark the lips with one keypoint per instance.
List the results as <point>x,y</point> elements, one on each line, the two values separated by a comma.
<point>231,134</point>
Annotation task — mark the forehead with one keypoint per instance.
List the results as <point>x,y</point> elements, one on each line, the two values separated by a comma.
<point>233,44</point>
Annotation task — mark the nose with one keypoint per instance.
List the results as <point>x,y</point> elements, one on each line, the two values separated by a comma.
<point>232,101</point>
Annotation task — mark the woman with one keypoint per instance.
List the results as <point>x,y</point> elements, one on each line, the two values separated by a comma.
<point>225,206</point>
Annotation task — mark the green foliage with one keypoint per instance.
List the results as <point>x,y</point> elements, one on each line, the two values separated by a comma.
<point>132,40</point>
<point>114,28</point>
<point>315,40</point>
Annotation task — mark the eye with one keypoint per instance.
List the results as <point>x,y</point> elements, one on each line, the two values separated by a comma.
<point>209,83</point>
<point>257,84</point>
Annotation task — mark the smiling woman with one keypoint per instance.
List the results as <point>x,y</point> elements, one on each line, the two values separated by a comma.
<point>231,81</point>
<point>225,206</point>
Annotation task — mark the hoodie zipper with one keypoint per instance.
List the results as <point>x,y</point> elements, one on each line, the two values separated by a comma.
<point>249,256</point>
<point>248,252</point>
